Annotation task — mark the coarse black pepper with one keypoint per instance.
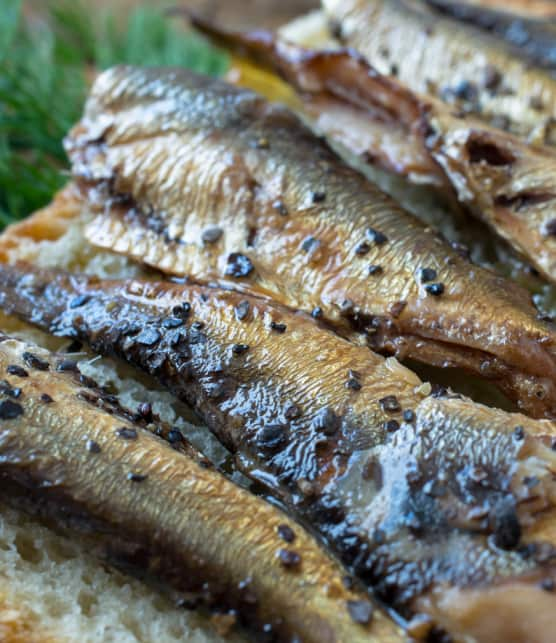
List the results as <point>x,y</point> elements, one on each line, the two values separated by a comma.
<point>317,313</point>
<point>288,558</point>
<point>286,533</point>
<point>67,365</point>
<point>292,412</point>
<point>239,349</point>
<point>353,384</point>
<point>309,244</point>
<point>360,611</point>
<point>18,371</point>
<point>272,436</point>
<point>362,249</point>
<point>373,270</point>
<point>318,196</point>
<point>549,228</point>
<point>326,421</point>
<point>136,477</point>
<point>145,410</point>
<point>242,310</point>
<point>10,410</point>
<point>126,433</point>
<point>427,274</point>
<point>408,415</point>
<point>211,234</point>
<point>46,398</point>
<point>93,447</point>
<point>435,289</point>
<point>376,237</point>
<point>197,325</point>
<point>238,265</point>
<point>391,426</point>
<point>390,404</point>
<point>174,436</point>
<point>35,362</point>
<point>278,327</point>
<point>519,432</point>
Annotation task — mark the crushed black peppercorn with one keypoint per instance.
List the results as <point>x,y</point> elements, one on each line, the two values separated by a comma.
<point>136,477</point>
<point>390,404</point>
<point>435,289</point>
<point>33,361</point>
<point>93,447</point>
<point>288,558</point>
<point>126,433</point>
<point>242,310</point>
<point>376,237</point>
<point>286,533</point>
<point>18,371</point>
<point>278,327</point>
<point>360,611</point>
<point>238,265</point>
<point>10,410</point>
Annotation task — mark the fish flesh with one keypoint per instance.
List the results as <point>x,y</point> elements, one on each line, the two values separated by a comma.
<point>83,459</point>
<point>441,505</point>
<point>437,55</point>
<point>508,184</point>
<point>198,178</point>
<point>533,37</point>
<point>528,8</point>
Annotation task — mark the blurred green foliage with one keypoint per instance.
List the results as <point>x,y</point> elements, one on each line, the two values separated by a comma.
<point>44,66</point>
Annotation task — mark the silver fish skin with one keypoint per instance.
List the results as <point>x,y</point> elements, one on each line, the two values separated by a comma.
<point>75,454</point>
<point>437,55</point>
<point>437,503</point>
<point>198,178</point>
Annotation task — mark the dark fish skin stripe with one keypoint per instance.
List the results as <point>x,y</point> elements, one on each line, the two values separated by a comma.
<point>439,489</point>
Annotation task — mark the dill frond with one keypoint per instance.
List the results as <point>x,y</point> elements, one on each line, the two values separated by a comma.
<point>44,66</point>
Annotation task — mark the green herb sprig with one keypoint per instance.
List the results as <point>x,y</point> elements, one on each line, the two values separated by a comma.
<point>45,63</point>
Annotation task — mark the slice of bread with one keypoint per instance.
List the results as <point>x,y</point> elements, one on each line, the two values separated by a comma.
<point>51,588</point>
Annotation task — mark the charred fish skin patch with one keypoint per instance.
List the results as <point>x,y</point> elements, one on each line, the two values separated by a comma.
<point>447,486</point>
<point>304,260</point>
<point>99,482</point>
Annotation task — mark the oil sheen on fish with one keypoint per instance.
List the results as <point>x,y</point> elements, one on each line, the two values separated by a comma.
<point>533,37</point>
<point>508,184</point>
<point>440,56</point>
<point>73,450</point>
<point>443,506</point>
<point>196,177</point>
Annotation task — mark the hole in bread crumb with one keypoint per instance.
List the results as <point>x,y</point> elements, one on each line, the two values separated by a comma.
<point>58,551</point>
<point>26,548</point>
<point>86,602</point>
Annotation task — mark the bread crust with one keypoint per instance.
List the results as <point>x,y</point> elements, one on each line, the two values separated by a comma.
<point>46,224</point>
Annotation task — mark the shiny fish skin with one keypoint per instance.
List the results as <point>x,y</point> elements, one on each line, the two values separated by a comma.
<point>437,55</point>
<point>533,37</point>
<point>183,522</point>
<point>444,498</point>
<point>511,186</point>
<point>164,154</point>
